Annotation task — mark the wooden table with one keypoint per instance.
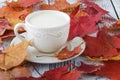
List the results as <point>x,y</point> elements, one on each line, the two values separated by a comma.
<point>113,6</point>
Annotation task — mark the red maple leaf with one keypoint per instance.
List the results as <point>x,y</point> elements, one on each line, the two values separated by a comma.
<point>110,70</point>
<point>61,73</point>
<point>55,74</point>
<point>87,24</point>
<point>88,68</point>
<point>101,46</point>
<point>93,8</point>
<point>72,75</point>
<point>111,40</point>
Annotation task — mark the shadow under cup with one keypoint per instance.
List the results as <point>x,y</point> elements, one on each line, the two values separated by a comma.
<point>48,29</point>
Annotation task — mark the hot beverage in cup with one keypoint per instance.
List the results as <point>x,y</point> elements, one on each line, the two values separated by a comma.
<point>47,29</point>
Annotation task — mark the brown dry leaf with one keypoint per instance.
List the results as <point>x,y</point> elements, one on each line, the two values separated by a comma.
<point>13,55</point>
<point>61,5</point>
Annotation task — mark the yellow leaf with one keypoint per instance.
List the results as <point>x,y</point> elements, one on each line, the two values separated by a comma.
<point>13,55</point>
<point>118,21</point>
<point>105,59</point>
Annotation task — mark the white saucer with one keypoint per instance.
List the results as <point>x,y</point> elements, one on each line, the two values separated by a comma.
<point>33,53</point>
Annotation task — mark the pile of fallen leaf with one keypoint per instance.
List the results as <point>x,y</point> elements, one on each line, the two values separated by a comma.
<point>85,19</point>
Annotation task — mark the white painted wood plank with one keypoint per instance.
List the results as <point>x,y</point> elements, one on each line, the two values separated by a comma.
<point>117,6</point>
<point>106,4</point>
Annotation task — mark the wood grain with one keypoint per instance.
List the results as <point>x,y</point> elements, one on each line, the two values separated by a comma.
<point>116,5</point>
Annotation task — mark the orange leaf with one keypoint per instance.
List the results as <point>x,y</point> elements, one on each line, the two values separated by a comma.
<point>23,3</point>
<point>13,55</point>
<point>61,5</point>
<point>64,54</point>
<point>13,16</point>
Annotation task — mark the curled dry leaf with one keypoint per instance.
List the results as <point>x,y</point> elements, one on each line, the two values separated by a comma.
<point>13,55</point>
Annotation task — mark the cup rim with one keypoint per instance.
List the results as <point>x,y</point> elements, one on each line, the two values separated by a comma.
<point>52,11</point>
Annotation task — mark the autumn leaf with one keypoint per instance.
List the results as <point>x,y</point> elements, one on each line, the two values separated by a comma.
<point>23,3</point>
<point>111,40</point>
<point>118,21</point>
<point>116,58</point>
<point>30,78</point>
<point>110,70</point>
<point>20,71</point>
<point>3,26</point>
<point>61,5</point>
<point>94,9</point>
<point>16,72</point>
<point>27,3</point>
<point>77,12</point>
<point>7,34</point>
<point>86,23</point>
<point>88,68</point>
<point>72,75</point>
<point>13,55</point>
<point>4,75</point>
<point>115,28</point>
<point>65,54</point>
<point>96,48</point>
<point>56,74</point>
<point>13,16</point>
<point>104,45</point>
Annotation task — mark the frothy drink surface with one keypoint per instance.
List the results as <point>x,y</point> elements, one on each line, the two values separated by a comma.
<point>47,20</point>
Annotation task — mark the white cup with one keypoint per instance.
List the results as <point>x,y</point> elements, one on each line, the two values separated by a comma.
<point>48,29</point>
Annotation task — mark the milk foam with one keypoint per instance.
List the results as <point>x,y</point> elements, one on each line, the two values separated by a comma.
<point>48,20</point>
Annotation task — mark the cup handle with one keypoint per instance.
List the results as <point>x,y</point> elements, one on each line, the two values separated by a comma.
<point>17,26</point>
